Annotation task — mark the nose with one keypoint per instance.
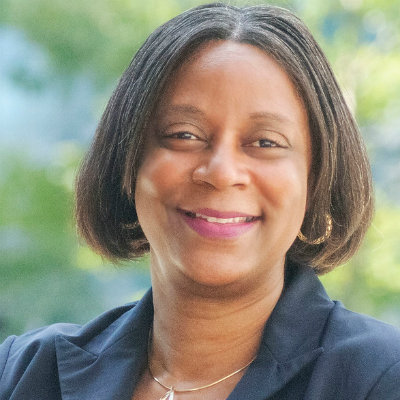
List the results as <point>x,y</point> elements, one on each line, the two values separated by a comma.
<point>222,168</point>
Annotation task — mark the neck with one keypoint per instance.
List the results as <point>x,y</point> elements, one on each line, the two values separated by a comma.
<point>202,335</point>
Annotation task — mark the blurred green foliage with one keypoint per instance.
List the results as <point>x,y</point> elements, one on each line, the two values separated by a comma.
<point>40,283</point>
<point>46,276</point>
<point>370,282</point>
<point>360,37</point>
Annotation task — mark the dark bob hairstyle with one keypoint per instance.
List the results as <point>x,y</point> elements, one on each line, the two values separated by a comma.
<point>340,181</point>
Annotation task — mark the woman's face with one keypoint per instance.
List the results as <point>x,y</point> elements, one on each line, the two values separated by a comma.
<point>222,190</point>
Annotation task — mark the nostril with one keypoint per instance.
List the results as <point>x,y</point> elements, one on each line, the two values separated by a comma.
<point>221,174</point>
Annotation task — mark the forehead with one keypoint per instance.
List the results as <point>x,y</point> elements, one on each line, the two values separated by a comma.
<point>235,73</point>
<point>231,57</point>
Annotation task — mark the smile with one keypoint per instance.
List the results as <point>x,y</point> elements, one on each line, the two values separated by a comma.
<point>235,220</point>
<point>218,225</point>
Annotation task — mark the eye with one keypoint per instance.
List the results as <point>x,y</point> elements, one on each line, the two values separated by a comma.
<point>182,141</point>
<point>184,135</point>
<point>264,143</point>
<point>267,143</point>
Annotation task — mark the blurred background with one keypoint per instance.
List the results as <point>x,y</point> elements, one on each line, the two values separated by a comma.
<point>60,61</point>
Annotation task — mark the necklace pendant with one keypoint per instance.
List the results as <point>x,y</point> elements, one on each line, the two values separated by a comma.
<point>169,395</point>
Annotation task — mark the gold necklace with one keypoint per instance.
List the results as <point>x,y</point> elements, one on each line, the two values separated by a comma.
<point>171,390</point>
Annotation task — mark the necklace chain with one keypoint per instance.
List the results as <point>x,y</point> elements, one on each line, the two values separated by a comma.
<point>172,390</point>
<point>200,387</point>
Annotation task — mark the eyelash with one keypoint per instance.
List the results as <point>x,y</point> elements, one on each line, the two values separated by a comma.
<point>272,143</point>
<point>185,135</point>
<point>178,135</point>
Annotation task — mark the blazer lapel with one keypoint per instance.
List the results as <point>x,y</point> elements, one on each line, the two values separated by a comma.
<point>109,364</point>
<point>266,376</point>
<point>292,336</point>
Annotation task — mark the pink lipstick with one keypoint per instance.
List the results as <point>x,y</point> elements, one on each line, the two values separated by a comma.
<point>218,224</point>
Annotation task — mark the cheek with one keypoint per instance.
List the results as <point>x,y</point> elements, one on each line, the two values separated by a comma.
<point>284,184</point>
<point>159,186</point>
<point>159,179</point>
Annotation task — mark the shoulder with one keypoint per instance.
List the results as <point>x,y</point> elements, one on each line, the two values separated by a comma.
<point>361,355</point>
<point>43,339</point>
<point>360,334</point>
<point>36,350</point>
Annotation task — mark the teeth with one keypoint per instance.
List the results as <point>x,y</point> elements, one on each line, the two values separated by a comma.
<point>236,220</point>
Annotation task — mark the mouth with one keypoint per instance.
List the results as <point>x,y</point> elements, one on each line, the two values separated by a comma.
<point>215,224</point>
<point>219,220</point>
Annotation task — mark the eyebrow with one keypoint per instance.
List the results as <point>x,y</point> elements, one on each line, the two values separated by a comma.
<point>264,115</point>
<point>271,116</point>
<point>185,108</point>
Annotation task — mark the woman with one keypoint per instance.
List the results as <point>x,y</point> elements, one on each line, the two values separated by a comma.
<point>227,151</point>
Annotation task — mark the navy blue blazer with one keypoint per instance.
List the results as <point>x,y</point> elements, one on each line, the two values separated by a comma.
<point>312,349</point>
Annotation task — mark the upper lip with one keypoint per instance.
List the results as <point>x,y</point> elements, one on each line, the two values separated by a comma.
<point>208,212</point>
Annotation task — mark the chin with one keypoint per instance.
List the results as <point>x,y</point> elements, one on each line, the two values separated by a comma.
<point>218,271</point>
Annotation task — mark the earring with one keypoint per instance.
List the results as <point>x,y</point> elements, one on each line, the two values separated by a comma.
<point>321,239</point>
<point>134,225</point>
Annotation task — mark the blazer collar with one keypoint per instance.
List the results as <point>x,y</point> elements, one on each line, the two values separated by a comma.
<point>292,335</point>
<point>104,362</point>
